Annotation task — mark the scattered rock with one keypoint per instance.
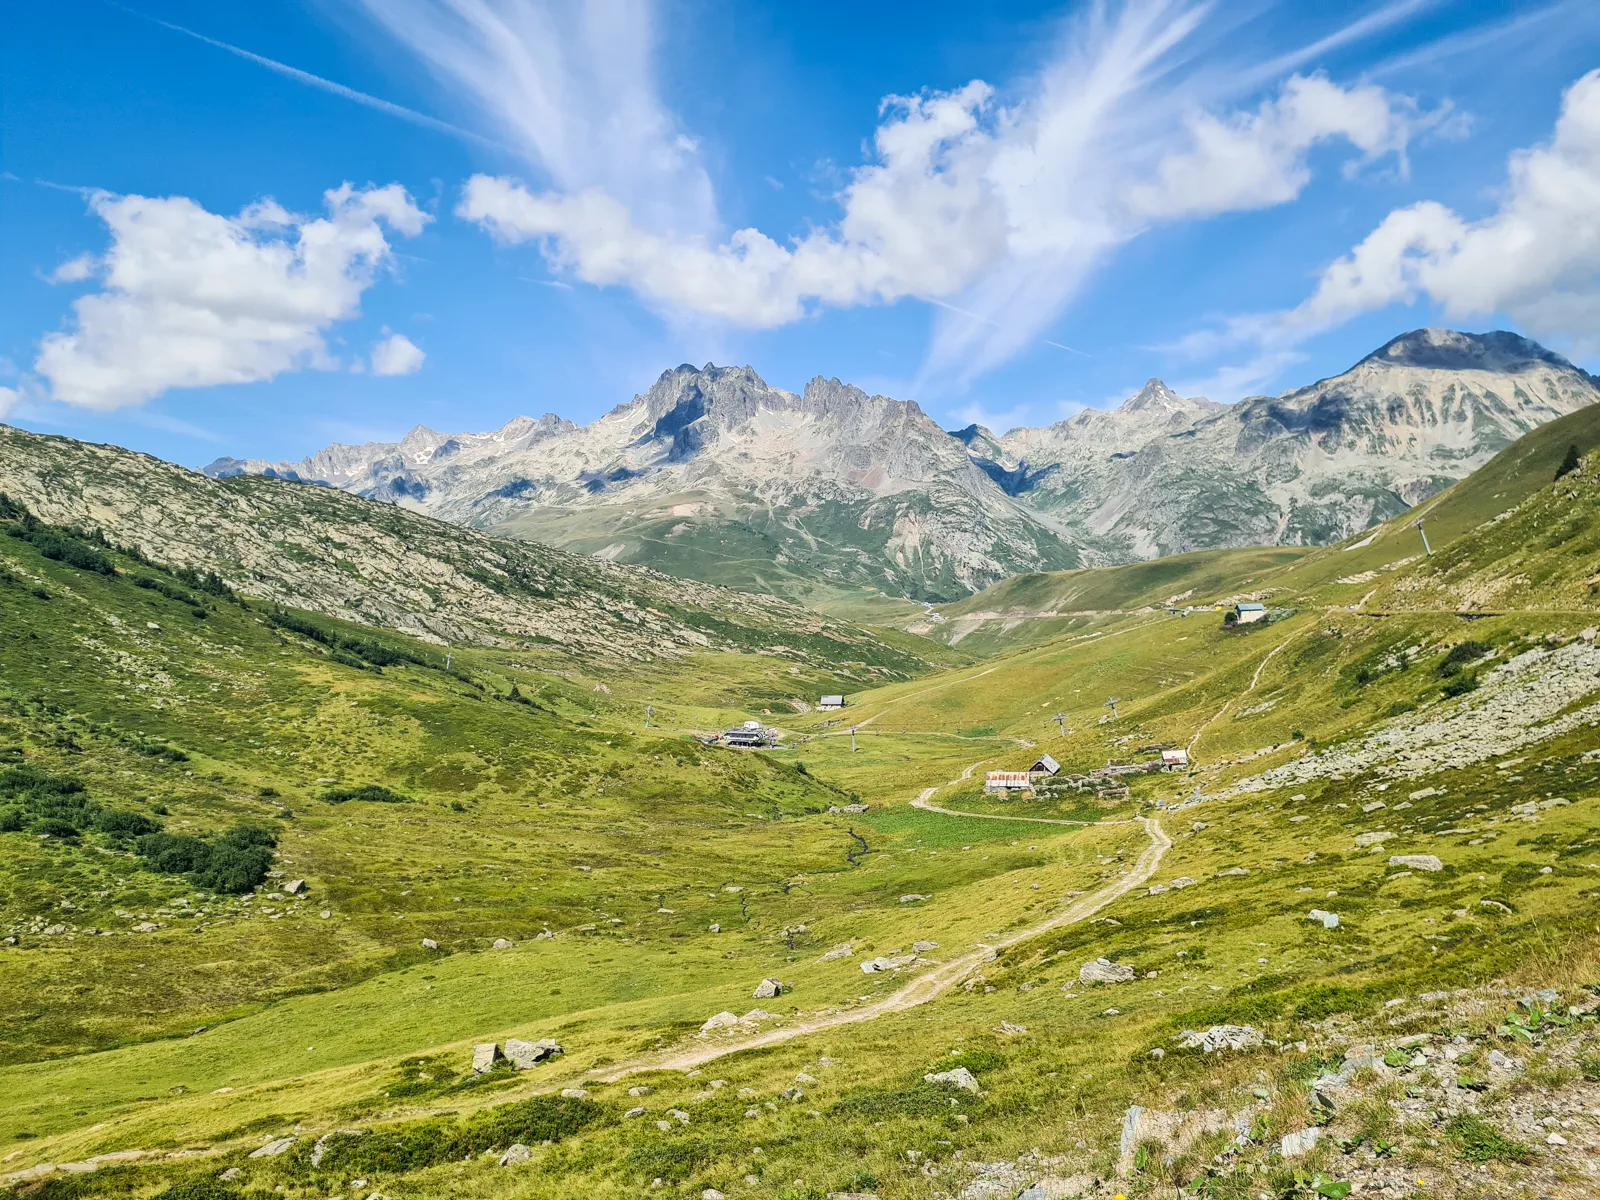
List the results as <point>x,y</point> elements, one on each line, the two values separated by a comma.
<point>712,1194</point>
<point>1376,838</point>
<point>1416,862</point>
<point>575,1093</point>
<point>842,950</point>
<point>912,898</point>
<point>767,989</point>
<point>1232,872</point>
<point>429,944</point>
<point>529,1054</point>
<point>1221,1037</point>
<point>923,947</point>
<point>1302,1142</point>
<point>502,943</point>
<point>1103,970</point>
<point>634,1112</point>
<point>516,1155</point>
<point>484,1057</point>
<point>1329,920</point>
<point>58,930</point>
<point>230,1174</point>
<point>873,966</point>
<point>274,1148</point>
<point>295,887</point>
<point>678,1115</point>
<point>960,1077</point>
<point>715,927</point>
<point>721,1021</point>
<point>1181,882</point>
<point>1010,1028</point>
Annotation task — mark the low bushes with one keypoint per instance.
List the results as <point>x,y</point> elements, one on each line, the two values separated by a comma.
<point>236,862</point>
<point>372,793</point>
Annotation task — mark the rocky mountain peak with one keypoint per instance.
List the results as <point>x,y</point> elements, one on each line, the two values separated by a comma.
<point>1451,350</point>
<point>1153,395</point>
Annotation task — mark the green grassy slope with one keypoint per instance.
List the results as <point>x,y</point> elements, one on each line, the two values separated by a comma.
<point>1042,605</point>
<point>322,549</point>
<point>374,1033</point>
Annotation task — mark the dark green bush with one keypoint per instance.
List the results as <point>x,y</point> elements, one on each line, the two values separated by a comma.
<point>420,1144</point>
<point>235,863</point>
<point>372,793</point>
<point>54,826</point>
<point>11,820</point>
<point>1461,654</point>
<point>198,1189</point>
<point>120,823</point>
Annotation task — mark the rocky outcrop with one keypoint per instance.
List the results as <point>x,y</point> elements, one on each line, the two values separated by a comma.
<point>719,476</point>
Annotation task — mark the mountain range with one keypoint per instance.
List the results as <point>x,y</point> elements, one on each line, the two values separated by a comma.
<point>715,475</point>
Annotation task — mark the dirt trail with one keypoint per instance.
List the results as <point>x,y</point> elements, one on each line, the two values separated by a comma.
<point>942,978</point>
<point>909,696</point>
<point>1254,679</point>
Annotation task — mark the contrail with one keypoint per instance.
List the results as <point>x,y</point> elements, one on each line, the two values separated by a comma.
<point>988,321</point>
<point>326,85</point>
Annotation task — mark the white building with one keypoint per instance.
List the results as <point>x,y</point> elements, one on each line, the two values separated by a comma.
<point>831,703</point>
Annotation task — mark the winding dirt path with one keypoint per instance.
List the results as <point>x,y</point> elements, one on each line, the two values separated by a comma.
<point>933,984</point>
<point>1254,679</point>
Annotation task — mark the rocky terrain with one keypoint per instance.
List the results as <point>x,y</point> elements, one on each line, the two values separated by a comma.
<point>320,549</point>
<point>1163,475</point>
<point>715,475</point>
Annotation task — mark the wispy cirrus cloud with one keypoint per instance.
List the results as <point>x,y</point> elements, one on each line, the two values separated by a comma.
<point>1000,203</point>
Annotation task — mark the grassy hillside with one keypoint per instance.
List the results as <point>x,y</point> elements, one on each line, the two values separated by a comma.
<point>318,548</point>
<point>1042,605</point>
<point>201,711</point>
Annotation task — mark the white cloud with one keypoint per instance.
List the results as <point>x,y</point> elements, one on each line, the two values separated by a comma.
<point>1258,159</point>
<point>1536,257</point>
<point>573,85</point>
<point>396,355</point>
<point>1002,208</point>
<point>75,270</point>
<point>192,298</point>
<point>9,399</point>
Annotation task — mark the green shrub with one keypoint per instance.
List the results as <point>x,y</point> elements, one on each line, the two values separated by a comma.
<point>1461,654</point>
<point>235,863</point>
<point>120,823</point>
<point>198,1189</point>
<point>419,1144</point>
<point>1570,463</point>
<point>372,793</point>
<point>1477,1141</point>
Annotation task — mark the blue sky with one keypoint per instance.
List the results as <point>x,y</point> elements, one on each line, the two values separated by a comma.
<point>255,229</point>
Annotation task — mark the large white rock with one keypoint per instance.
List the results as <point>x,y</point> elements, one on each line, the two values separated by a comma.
<point>960,1077</point>
<point>1329,920</point>
<point>767,989</point>
<point>530,1054</point>
<point>1103,970</point>
<point>484,1057</point>
<point>1416,862</point>
<point>721,1021</point>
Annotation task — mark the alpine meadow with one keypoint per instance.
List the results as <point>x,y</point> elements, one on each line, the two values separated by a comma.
<point>966,773</point>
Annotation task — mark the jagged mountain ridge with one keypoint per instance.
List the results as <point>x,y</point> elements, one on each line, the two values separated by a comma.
<point>715,475</point>
<point>712,465</point>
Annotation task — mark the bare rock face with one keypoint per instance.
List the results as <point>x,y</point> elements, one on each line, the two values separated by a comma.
<point>484,1057</point>
<point>530,1054</point>
<point>767,989</point>
<point>1102,970</point>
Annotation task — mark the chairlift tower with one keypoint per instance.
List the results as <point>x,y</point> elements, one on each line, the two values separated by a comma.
<point>1061,723</point>
<point>1112,705</point>
<point>1424,533</point>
